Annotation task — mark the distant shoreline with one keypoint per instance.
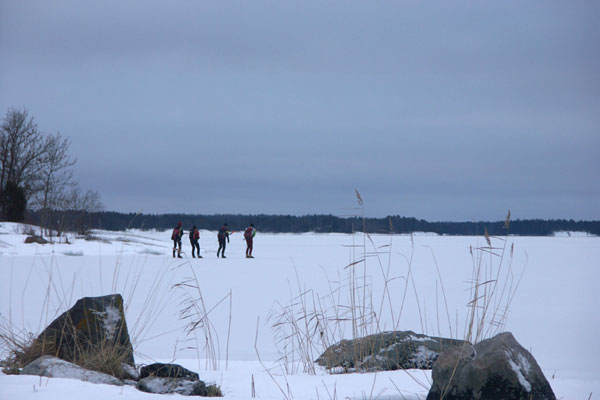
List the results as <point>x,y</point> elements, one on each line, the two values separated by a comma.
<point>118,221</point>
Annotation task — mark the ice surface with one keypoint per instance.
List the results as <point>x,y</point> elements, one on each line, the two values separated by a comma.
<point>556,299</point>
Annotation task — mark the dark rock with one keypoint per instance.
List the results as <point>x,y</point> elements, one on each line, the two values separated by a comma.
<point>167,371</point>
<point>54,367</point>
<point>496,368</point>
<point>182,386</point>
<point>386,351</point>
<point>35,239</point>
<point>93,334</point>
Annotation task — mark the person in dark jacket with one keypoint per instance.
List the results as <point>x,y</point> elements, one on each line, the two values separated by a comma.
<point>249,234</point>
<point>176,237</point>
<point>222,236</point>
<point>194,238</point>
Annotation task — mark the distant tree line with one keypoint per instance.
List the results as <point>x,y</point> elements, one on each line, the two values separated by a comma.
<point>323,224</point>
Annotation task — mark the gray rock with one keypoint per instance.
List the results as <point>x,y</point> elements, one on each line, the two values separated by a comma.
<point>35,239</point>
<point>182,386</point>
<point>385,351</point>
<point>54,367</point>
<point>93,331</point>
<point>496,368</point>
<point>167,371</point>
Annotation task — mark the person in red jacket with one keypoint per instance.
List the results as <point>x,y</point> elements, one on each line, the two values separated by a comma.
<point>194,238</point>
<point>249,234</point>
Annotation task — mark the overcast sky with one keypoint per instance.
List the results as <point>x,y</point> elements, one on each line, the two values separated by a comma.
<point>437,110</point>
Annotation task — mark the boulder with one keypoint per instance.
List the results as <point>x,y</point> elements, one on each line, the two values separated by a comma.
<point>182,386</point>
<point>167,371</point>
<point>93,334</point>
<point>35,239</point>
<point>54,367</point>
<point>386,351</point>
<point>496,368</point>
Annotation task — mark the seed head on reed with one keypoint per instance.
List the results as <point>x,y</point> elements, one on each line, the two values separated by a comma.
<point>358,198</point>
<point>487,237</point>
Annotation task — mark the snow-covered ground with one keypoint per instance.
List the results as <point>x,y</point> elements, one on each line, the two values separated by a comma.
<point>554,312</point>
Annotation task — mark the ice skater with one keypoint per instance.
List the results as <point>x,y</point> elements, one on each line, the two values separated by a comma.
<point>176,237</point>
<point>249,234</point>
<point>194,238</point>
<point>222,236</point>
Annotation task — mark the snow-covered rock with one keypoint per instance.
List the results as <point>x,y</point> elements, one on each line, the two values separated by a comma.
<point>92,325</point>
<point>385,351</point>
<point>54,367</point>
<point>496,368</point>
<point>183,386</point>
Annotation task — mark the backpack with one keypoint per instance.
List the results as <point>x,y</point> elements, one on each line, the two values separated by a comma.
<point>192,236</point>
<point>175,234</point>
<point>248,233</point>
<point>221,234</point>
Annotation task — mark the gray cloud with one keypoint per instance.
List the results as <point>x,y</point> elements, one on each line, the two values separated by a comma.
<point>441,111</point>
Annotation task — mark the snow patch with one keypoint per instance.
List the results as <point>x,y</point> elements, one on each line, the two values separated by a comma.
<point>167,385</point>
<point>406,339</point>
<point>417,339</point>
<point>111,318</point>
<point>337,370</point>
<point>424,357</point>
<point>376,357</point>
<point>151,252</point>
<point>389,348</point>
<point>156,386</point>
<point>571,234</point>
<point>523,365</point>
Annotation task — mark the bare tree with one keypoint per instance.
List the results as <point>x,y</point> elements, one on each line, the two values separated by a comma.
<point>90,203</point>
<point>55,179</point>
<point>79,207</point>
<point>22,147</point>
<point>39,165</point>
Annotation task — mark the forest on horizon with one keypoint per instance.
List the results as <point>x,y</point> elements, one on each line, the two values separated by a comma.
<point>118,221</point>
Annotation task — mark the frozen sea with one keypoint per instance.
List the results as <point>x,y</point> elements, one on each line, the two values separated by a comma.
<point>418,282</point>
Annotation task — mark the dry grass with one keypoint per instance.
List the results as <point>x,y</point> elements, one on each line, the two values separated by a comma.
<point>493,286</point>
<point>16,347</point>
<point>195,312</point>
<point>309,323</point>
